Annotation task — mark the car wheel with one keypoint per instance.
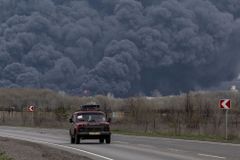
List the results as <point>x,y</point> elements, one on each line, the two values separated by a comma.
<point>101,140</point>
<point>77,139</point>
<point>72,139</point>
<point>108,140</point>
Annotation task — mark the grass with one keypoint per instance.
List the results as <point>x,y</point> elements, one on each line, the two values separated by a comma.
<point>200,137</point>
<point>3,156</point>
<point>189,136</point>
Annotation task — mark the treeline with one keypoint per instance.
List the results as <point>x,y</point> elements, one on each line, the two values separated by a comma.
<point>52,109</point>
<point>193,113</point>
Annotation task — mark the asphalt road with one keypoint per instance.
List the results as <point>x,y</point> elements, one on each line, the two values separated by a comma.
<point>127,147</point>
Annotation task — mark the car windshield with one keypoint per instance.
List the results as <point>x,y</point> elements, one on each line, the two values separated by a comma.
<point>91,117</point>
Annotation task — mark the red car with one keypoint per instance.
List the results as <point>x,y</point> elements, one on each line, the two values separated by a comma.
<point>89,123</point>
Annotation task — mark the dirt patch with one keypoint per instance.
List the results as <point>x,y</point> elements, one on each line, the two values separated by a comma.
<point>21,150</point>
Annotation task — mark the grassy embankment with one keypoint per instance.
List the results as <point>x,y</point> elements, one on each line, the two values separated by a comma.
<point>212,138</point>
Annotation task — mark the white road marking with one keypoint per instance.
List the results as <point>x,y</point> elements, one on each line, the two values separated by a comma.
<point>90,153</point>
<point>173,149</point>
<point>213,156</point>
<point>145,146</point>
<point>58,145</point>
<point>121,142</point>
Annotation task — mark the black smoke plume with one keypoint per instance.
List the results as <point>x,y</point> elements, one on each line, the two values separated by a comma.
<point>124,47</point>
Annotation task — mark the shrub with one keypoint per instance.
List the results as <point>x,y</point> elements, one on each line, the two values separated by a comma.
<point>3,156</point>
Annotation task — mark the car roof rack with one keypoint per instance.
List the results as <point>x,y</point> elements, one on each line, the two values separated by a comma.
<point>90,107</point>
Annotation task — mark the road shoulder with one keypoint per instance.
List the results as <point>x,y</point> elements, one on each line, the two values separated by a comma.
<point>22,150</point>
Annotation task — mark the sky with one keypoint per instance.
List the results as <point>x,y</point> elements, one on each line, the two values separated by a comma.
<point>123,47</point>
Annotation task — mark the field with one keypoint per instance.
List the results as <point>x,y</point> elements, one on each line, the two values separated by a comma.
<point>192,115</point>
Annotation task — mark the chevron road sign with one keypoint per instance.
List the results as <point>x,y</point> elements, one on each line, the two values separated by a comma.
<point>31,109</point>
<point>225,103</point>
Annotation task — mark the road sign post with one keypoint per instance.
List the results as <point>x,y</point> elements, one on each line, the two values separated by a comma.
<point>226,105</point>
<point>226,131</point>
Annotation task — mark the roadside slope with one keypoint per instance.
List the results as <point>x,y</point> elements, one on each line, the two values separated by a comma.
<point>23,150</point>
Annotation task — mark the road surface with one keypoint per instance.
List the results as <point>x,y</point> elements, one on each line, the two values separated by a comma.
<point>127,147</point>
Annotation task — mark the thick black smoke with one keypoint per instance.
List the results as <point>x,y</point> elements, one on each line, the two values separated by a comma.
<point>125,47</point>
